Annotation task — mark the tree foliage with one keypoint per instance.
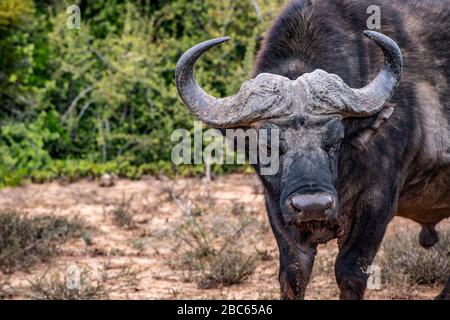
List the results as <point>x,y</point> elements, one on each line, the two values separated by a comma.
<point>102,98</point>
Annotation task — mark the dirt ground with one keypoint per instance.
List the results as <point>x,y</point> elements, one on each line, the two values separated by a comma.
<point>114,247</point>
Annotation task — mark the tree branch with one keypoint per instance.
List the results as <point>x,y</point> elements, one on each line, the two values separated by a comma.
<point>74,103</point>
<point>258,10</point>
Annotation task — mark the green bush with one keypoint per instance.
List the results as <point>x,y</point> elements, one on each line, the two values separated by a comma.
<point>76,103</point>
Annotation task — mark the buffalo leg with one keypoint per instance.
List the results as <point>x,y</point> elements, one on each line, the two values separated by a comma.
<point>359,249</point>
<point>295,271</point>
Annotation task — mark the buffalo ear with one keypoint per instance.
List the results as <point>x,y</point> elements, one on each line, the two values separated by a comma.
<point>361,138</point>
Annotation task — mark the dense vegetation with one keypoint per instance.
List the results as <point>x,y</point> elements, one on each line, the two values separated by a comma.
<point>102,98</point>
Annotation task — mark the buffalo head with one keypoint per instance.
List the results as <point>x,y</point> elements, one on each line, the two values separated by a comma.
<point>309,114</point>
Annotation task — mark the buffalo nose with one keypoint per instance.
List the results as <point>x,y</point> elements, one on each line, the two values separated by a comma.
<point>312,204</point>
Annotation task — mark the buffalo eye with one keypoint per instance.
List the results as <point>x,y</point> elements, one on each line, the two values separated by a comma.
<point>333,137</point>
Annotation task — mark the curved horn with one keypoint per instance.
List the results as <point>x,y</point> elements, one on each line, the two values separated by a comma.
<point>214,112</point>
<point>371,99</point>
<point>266,96</point>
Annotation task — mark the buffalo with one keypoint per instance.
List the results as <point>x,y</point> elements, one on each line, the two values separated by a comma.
<point>364,132</point>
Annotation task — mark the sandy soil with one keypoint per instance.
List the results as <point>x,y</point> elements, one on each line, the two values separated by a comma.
<point>115,247</point>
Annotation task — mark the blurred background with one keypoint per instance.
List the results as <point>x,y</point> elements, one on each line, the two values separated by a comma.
<point>102,98</point>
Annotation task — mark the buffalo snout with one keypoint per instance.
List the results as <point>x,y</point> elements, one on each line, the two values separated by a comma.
<point>310,207</point>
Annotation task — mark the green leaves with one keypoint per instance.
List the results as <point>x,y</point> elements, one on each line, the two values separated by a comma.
<point>106,92</point>
<point>14,12</point>
<point>24,148</point>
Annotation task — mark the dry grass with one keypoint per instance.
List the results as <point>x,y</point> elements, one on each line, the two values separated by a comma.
<point>122,213</point>
<point>6,290</point>
<point>25,241</point>
<point>55,287</point>
<point>227,268</point>
<point>88,284</point>
<point>215,243</point>
<point>186,228</point>
<point>404,259</point>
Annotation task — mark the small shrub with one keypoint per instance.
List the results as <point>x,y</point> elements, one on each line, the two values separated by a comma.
<point>124,276</point>
<point>215,243</point>
<point>122,213</point>
<point>54,287</point>
<point>25,241</point>
<point>92,284</point>
<point>403,258</point>
<point>87,238</point>
<point>139,245</point>
<point>228,268</point>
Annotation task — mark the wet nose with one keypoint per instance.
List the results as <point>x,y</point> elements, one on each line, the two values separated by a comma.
<point>312,206</point>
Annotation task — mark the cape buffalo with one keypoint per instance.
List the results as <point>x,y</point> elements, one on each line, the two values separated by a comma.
<point>350,159</point>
